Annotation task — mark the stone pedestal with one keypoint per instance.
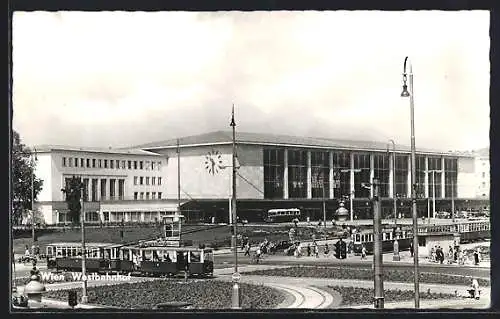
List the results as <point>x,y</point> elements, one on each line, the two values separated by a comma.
<point>396,256</point>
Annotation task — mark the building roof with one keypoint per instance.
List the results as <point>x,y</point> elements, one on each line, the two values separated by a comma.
<point>126,151</point>
<point>225,137</point>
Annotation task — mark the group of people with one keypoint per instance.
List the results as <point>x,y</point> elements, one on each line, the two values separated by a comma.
<point>33,253</point>
<point>264,247</point>
<point>437,254</point>
<point>454,255</point>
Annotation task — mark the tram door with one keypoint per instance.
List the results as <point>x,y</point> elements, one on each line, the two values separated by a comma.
<point>182,260</point>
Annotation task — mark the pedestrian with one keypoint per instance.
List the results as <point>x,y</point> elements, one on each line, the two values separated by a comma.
<point>247,249</point>
<point>327,250</point>
<point>461,260</point>
<point>475,288</point>
<point>308,250</point>
<point>257,255</point>
<point>411,247</point>
<point>476,257</point>
<point>363,252</point>
<point>316,251</point>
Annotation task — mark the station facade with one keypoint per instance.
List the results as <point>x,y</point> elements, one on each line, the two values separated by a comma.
<point>277,171</point>
<point>141,183</point>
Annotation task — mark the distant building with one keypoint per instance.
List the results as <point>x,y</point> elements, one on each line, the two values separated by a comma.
<point>126,185</point>
<point>274,171</point>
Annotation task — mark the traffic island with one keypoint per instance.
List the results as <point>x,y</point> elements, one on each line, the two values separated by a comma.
<point>201,294</point>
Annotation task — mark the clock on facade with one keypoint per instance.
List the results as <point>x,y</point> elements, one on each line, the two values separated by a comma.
<point>213,162</point>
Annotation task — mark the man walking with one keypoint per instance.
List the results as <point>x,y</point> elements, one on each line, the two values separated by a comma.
<point>247,249</point>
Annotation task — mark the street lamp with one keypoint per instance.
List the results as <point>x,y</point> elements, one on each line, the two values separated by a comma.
<point>409,94</point>
<point>84,257</point>
<point>236,275</point>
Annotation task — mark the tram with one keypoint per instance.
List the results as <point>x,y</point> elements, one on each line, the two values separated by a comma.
<point>469,231</point>
<point>365,238</point>
<point>148,259</point>
<point>67,256</point>
<point>170,261</point>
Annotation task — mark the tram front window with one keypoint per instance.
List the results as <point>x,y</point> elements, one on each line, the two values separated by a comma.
<point>195,256</point>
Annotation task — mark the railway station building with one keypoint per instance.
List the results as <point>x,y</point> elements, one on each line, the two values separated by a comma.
<point>273,171</point>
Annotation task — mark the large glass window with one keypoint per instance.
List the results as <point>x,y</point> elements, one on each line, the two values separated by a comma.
<point>297,174</point>
<point>121,188</point>
<point>103,189</point>
<point>420,177</point>
<point>361,161</point>
<point>94,189</point>
<point>112,183</point>
<point>434,164</point>
<point>320,171</point>
<point>381,172</point>
<point>85,189</point>
<point>273,173</point>
<point>450,176</point>
<point>341,180</point>
<point>401,175</point>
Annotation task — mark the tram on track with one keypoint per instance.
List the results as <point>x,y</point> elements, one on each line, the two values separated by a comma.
<point>147,259</point>
<point>469,231</point>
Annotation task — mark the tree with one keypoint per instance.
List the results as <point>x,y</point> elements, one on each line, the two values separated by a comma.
<point>73,192</point>
<point>23,166</point>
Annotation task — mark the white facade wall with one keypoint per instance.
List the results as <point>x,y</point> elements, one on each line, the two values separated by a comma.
<point>43,171</point>
<point>50,168</point>
<point>60,172</point>
<point>466,178</point>
<point>198,183</point>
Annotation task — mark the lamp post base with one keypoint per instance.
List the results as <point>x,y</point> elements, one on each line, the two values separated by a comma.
<point>378,303</point>
<point>236,296</point>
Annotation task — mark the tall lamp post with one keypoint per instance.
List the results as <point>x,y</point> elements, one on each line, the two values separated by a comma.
<point>409,94</point>
<point>84,253</point>
<point>236,275</point>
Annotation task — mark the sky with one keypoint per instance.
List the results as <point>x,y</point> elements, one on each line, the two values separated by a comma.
<point>125,78</point>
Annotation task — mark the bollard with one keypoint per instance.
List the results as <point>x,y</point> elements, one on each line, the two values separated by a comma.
<point>34,289</point>
<point>72,298</point>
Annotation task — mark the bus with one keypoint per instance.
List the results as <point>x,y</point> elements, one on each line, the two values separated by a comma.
<point>282,215</point>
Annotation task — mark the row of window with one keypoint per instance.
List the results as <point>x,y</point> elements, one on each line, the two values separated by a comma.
<point>140,195</point>
<point>140,180</point>
<point>297,165</point>
<point>111,164</point>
